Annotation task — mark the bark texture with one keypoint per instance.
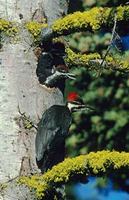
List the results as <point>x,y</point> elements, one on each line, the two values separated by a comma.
<point>54,9</point>
<point>20,93</point>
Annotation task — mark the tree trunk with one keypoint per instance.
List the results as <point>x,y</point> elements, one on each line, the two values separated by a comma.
<point>21,97</point>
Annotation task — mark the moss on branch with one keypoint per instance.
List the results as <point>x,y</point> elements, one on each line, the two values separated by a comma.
<point>8,28</point>
<point>99,163</point>
<point>91,20</point>
<point>93,61</point>
<point>35,29</point>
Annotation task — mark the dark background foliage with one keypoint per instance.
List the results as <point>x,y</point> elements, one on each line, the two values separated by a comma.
<point>108,92</point>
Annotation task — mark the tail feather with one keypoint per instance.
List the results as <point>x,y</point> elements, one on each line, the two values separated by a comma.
<point>51,158</point>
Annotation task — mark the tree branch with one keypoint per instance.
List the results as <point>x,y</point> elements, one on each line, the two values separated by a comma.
<point>91,20</point>
<point>94,61</point>
<point>99,163</point>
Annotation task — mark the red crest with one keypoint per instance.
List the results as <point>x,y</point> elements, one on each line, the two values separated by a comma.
<point>72,96</point>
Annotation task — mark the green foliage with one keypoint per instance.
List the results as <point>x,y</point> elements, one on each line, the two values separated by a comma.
<point>108,126</point>
<point>88,42</point>
<point>90,3</point>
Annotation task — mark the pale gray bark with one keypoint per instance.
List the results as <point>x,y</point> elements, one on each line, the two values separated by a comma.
<point>10,9</point>
<point>54,9</point>
<point>19,88</point>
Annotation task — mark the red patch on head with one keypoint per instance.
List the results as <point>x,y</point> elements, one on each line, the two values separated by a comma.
<point>72,96</point>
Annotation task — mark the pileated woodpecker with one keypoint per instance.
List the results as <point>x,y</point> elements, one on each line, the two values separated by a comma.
<point>52,131</point>
<point>51,69</point>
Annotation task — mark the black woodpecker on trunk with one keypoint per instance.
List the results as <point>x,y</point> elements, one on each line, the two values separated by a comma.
<point>53,129</point>
<point>51,69</point>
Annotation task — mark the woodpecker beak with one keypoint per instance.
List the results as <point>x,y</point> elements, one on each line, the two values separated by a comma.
<point>81,107</point>
<point>70,76</point>
<point>84,107</point>
<point>75,106</point>
<point>90,108</point>
<point>66,75</point>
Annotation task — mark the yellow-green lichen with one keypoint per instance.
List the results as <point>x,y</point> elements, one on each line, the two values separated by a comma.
<point>8,28</point>
<point>118,63</point>
<point>123,13</point>
<point>36,183</point>
<point>92,20</point>
<point>78,21</point>
<point>35,29</point>
<point>98,163</point>
<point>80,59</point>
<point>93,61</point>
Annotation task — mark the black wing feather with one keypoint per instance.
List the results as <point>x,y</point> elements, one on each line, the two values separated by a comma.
<point>50,138</point>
